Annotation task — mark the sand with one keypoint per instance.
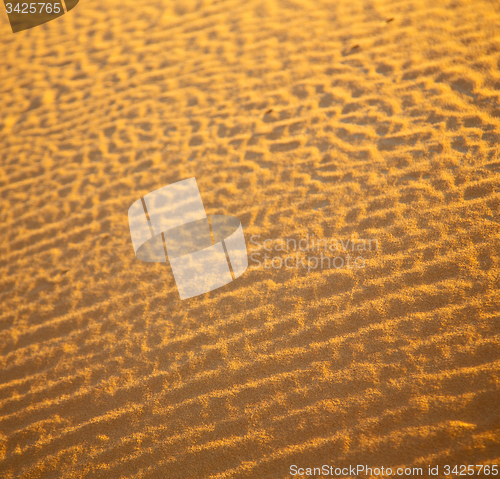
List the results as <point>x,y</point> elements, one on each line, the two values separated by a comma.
<point>351,120</point>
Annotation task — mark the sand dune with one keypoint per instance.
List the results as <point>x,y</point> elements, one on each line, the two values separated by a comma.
<point>377,119</point>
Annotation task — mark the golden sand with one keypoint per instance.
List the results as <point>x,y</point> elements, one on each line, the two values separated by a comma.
<point>336,119</point>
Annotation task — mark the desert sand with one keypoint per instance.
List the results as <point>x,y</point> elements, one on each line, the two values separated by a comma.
<point>370,119</point>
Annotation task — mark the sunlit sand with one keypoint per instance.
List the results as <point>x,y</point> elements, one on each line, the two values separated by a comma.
<point>348,120</point>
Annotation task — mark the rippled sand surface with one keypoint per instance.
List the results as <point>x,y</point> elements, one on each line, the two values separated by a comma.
<point>376,119</point>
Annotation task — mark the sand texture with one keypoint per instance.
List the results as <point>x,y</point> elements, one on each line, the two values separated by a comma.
<point>344,119</point>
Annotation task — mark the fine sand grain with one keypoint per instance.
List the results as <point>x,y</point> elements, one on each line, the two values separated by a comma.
<point>369,119</point>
